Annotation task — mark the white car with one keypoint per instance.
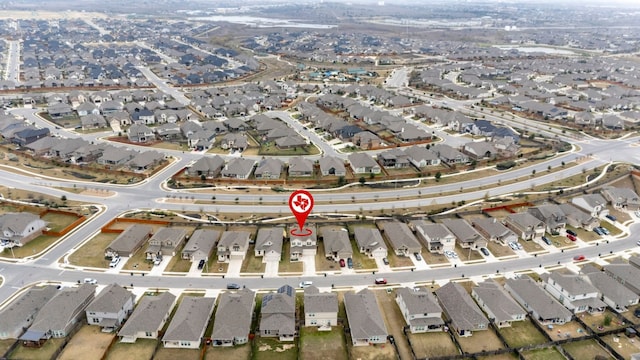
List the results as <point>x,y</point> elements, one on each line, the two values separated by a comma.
<point>306,284</point>
<point>114,262</point>
<point>90,281</point>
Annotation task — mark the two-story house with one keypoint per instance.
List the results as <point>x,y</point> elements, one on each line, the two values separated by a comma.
<point>320,308</point>
<point>420,310</point>
<point>463,313</point>
<point>525,226</point>
<point>552,215</point>
<point>574,292</point>
<point>465,234</point>
<point>20,228</point>
<point>148,318</point>
<point>543,307</point>
<point>165,242</point>
<point>435,237</point>
<point>499,306</point>
<point>110,308</point>
<point>233,245</point>
<point>302,244</point>
<point>493,230</point>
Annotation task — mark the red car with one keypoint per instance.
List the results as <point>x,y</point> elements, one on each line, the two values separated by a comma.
<point>341,262</point>
<point>381,281</point>
<point>572,237</point>
<point>578,258</point>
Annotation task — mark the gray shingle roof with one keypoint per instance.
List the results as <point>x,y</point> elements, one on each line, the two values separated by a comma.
<point>270,239</point>
<point>149,314</point>
<point>61,309</point>
<point>279,311</point>
<point>419,302</point>
<point>190,320</point>
<point>111,299</point>
<point>233,316</point>
<point>537,299</point>
<point>13,316</point>
<point>131,238</point>
<point>368,238</point>
<point>612,289</point>
<point>363,313</point>
<point>460,307</point>
<point>498,301</point>
<point>317,302</point>
<point>203,240</point>
<point>400,236</point>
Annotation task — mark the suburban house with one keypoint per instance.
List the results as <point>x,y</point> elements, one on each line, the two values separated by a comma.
<point>435,237</point>
<point>422,157</point>
<point>19,314</point>
<point>363,163</point>
<point>330,165</point>
<point>320,309</point>
<point>110,308</point>
<point>233,245</point>
<point>238,168</point>
<point>463,313</point>
<point>552,215</point>
<point>269,243</point>
<point>336,242</point>
<point>365,319</point>
<point>140,133</point>
<point>186,329</point>
<point>621,198</point>
<point>303,244</point>
<point>20,228</point>
<point>543,308</point>
<point>165,242</point>
<point>499,306</point>
<point>574,292</point>
<point>269,168</point>
<point>200,245</point>
<point>279,314</point>
<point>60,315</point>
<point>300,167</point>
<point>465,234</point>
<point>233,318</point>
<point>401,238</point>
<point>207,166</point>
<point>578,218</point>
<point>449,155</point>
<point>129,241</point>
<point>626,274</point>
<point>525,225</point>
<point>420,310</point>
<point>148,318</point>
<point>594,204</point>
<point>618,297</point>
<point>493,230</point>
<point>370,241</point>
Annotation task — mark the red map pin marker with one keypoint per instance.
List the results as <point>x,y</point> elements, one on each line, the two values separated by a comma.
<point>300,203</point>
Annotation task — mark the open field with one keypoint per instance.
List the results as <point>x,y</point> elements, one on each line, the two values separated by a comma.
<point>88,344</point>
<point>432,344</point>
<point>172,354</point>
<point>91,254</point>
<point>480,341</point>
<point>522,333</point>
<point>319,345</point>
<point>587,349</point>
<point>142,349</point>
<point>43,353</point>
<point>272,349</point>
<point>241,352</point>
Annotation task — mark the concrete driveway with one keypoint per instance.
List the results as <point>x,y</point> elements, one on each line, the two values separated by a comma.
<point>234,267</point>
<point>382,268</point>
<point>309,265</point>
<point>271,268</point>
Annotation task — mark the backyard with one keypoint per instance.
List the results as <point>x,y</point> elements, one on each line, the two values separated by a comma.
<point>433,344</point>
<point>172,354</point>
<point>485,340</point>
<point>586,349</point>
<point>236,352</point>
<point>57,221</point>
<point>522,333</point>
<point>549,353</point>
<point>42,353</point>
<point>89,343</point>
<point>142,349</point>
<point>91,254</point>
<point>272,349</point>
<point>319,345</point>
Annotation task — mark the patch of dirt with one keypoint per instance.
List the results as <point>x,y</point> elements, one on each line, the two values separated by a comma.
<point>284,347</point>
<point>264,348</point>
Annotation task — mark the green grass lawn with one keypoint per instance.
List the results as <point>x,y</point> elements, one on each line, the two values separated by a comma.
<point>172,354</point>
<point>361,261</point>
<point>321,345</point>
<point>544,354</point>
<point>178,264</point>
<point>91,254</point>
<point>32,248</point>
<point>57,222</point>
<point>287,266</point>
<point>251,263</point>
<point>587,349</point>
<point>522,333</point>
<point>272,349</point>
<point>43,353</point>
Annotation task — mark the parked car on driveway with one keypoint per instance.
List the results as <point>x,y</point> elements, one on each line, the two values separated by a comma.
<point>572,237</point>
<point>342,263</point>
<point>611,217</point>
<point>417,255</point>
<point>114,262</point>
<point>201,264</point>
<point>350,263</point>
<point>485,251</point>
<point>385,261</point>
<point>546,240</point>
<point>569,231</point>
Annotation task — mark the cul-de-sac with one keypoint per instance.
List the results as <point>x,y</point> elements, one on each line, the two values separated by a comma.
<point>469,177</point>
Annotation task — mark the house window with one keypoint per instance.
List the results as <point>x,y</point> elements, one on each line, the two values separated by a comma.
<point>95,320</point>
<point>148,334</point>
<point>313,322</point>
